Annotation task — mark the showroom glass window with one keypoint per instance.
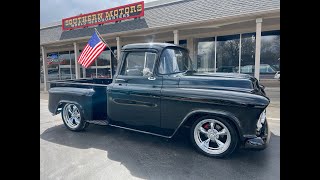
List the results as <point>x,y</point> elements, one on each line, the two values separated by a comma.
<point>205,61</point>
<point>64,65</point>
<point>41,69</point>
<point>72,68</point>
<point>104,64</point>
<point>53,66</point>
<point>270,54</point>
<point>228,53</point>
<point>101,67</point>
<point>91,71</point>
<point>248,49</point>
<point>82,69</point>
<point>114,60</point>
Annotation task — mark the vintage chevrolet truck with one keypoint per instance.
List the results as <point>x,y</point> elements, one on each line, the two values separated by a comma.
<point>156,91</point>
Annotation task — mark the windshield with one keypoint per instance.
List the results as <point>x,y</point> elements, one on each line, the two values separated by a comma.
<point>174,60</point>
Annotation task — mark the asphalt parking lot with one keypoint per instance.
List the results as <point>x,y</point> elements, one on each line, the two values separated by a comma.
<point>103,152</point>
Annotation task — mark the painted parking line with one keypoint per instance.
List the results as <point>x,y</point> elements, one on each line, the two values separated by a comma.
<point>274,124</point>
<point>277,119</point>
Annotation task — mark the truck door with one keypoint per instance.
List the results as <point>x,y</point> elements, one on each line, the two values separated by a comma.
<point>134,100</point>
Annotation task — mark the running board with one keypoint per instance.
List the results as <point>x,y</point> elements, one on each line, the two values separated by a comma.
<point>99,122</point>
<point>145,132</point>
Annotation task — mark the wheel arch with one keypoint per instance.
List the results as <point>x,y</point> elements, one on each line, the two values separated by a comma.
<point>194,115</point>
<point>61,103</point>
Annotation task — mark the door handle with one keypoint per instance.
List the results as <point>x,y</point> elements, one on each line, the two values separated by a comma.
<point>151,78</point>
<point>121,81</point>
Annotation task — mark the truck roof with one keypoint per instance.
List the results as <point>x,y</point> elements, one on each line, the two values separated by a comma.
<point>155,45</point>
<point>227,75</point>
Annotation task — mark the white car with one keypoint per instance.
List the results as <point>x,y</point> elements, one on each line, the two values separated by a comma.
<point>277,75</point>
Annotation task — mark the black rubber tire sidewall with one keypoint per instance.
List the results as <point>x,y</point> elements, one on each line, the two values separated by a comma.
<point>232,130</point>
<point>83,124</point>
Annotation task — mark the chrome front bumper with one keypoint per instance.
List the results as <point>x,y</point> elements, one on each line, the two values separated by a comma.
<point>261,141</point>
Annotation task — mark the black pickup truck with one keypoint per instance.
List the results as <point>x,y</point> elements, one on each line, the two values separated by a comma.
<point>156,91</point>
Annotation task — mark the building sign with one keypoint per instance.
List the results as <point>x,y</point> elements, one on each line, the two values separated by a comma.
<point>128,11</point>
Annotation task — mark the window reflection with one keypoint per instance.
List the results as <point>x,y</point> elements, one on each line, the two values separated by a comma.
<point>205,55</point>
<point>64,65</point>
<point>100,68</point>
<point>114,60</point>
<point>53,66</point>
<point>41,69</point>
<point>248,49</point>
<point>270,54</point>
<point>61,66</point>
<point>228,53</point>
<point>91,72</point>
<point>72,69</point>
<point>104,65</point>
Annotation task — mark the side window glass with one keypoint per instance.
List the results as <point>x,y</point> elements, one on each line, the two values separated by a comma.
<point>138,64</point>
<point>150,59</point>
<point>174,61</point>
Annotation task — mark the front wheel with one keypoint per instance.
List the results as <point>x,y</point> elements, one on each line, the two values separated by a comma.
<point>214,136</point>
<point>73,117</point>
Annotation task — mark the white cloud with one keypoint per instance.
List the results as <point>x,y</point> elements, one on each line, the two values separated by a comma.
<point>56,10</point>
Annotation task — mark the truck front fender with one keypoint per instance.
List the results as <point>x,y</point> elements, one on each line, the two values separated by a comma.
<point>220,113</point>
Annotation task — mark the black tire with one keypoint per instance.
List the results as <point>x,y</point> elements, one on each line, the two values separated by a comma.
<point>81,126</point>
<point>233,134</point>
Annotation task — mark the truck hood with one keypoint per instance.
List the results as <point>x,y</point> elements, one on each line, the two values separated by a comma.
<point>222,81</point>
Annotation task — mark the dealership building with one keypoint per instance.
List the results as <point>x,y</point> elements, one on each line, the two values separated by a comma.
<point>234,36</point>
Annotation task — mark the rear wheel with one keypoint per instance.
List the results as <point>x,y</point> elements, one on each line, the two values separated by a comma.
<point>72,117</point>
<point>214,136</point>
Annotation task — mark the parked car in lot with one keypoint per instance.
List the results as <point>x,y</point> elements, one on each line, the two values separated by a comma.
<point>155,91</point>
<point>227,69</point>
<point>266,70</point>
<point>277,75</point>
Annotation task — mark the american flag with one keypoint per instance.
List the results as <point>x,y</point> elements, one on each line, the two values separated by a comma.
<point>92,50</point>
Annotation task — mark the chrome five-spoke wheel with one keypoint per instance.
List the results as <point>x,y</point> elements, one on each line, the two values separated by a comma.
<point>214,136</point>
<point>72,117</point>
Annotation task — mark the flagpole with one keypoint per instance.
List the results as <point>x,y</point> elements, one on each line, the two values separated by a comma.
<point>105,43</point>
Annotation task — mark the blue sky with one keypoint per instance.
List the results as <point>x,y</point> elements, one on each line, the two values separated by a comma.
<point>56,10</point>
